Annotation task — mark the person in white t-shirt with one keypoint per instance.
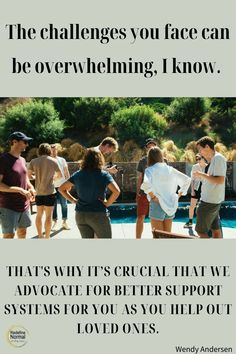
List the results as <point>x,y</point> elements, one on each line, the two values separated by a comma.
<point>57,183</point>
<point>213,189</point>
<point>160,184</point>
<point>196,186</point>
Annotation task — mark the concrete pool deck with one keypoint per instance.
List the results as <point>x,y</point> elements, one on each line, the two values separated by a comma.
<point>119,231</point>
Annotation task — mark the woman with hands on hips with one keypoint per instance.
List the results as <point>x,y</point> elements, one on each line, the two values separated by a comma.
<point>91,183</point>
<point>160,184</point>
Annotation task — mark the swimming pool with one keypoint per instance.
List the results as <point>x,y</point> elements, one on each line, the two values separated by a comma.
<point>126,213</point>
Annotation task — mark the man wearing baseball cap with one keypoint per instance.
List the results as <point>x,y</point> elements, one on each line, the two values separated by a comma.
<point>16,191</point>
<point>141,198</point>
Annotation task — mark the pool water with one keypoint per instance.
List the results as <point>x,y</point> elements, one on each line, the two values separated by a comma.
<point>126,213</point>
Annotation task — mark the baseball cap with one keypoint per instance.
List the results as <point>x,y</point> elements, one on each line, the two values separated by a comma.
<point>150,141</point>
<point>19,136</point>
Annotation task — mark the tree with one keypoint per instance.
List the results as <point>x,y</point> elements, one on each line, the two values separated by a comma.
<point>222,118</point>
<point>93,113</point>
<point>159,104</point>
<point>65,108</point>
<point>88,113</point>
<point>223,104</point>
<point>37,119</point>
<point>186,110</point>
<point>138,123</point>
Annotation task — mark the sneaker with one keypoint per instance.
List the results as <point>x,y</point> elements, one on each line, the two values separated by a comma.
<point>188,225</point>
<point>65,226</point>
<point>54,226</point>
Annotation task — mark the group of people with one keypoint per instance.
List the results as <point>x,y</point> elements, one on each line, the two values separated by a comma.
<point>159,187</point>
<point>46,181</point>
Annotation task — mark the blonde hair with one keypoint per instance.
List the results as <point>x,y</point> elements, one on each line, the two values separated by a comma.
<point>111,142</point>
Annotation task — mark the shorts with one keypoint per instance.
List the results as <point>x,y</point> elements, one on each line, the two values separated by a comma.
<point>197,194</point>
<point>45,200</point>
<point>142,205</point>
<point>207,217</point>
<point>11,220</point>
<point>157,213</point>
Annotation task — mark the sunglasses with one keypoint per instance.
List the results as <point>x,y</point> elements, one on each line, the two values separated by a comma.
<point>198,158</point>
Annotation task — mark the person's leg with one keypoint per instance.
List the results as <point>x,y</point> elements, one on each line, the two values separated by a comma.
<point>216,227</point>
<point>64,212</point>
<point>207,218</point>
<point>38,220</point>
<point>64,209</point>
<point>217,233</point>
<point>167,225</point>
<point>85,230</point>
<point>54,215</point>
<point>139,225</point>
<point>8,221</point>
<point>24,222</point>
<point>48,220</point>
<point>9,235</point>
<point>100,223</point>
<point>202,234</point>
<point>142,211</point>
<point>21,233</point>
<point>157,216</point>
<point>193,203</point>
<point>192,207</point>
<point>157,225</point>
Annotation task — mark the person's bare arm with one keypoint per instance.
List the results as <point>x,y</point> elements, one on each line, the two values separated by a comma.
<point>66,172</point>
<point>31,188</point>
<point>115,192</point>
<point>139,182</point>
<point>64,189</point>
<point>211,179</point>
<point>13,189</point>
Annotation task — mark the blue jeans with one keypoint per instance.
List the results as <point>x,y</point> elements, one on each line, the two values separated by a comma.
<point>64,209</point>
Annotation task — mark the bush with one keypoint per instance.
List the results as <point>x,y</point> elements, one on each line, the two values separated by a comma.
<point>232,133</point>
<point>67,142</point>
<point>221,148</point>
<point>170,146</point>
<point>185,110</point>
<point>138,123</point>
<point>222,118</point>
<point>32,154</point>
<point>36,119</point>
<point>192,145</point>
<point>189,156</point>
<point>75,152</point>
<point>231,155</point>
<point>129,152</point>
<point>159,104</point>
<point>170,151</point>
<point>92,113</point>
